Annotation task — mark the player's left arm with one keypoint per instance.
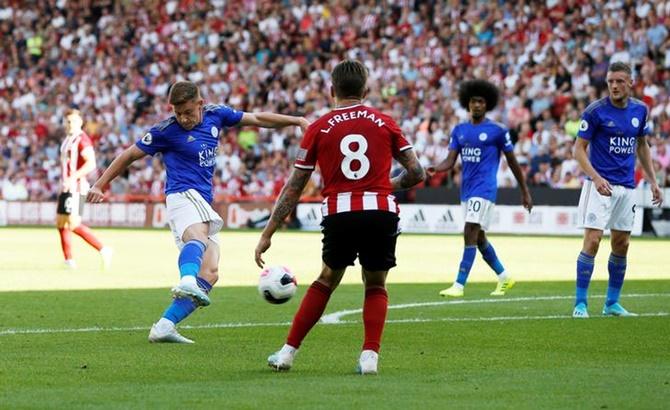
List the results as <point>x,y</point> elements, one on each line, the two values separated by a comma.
<point>272,120</point>
<point>412,174</point>
<point>644,154</point>
<point>526,199</point>
<point>288,199</point>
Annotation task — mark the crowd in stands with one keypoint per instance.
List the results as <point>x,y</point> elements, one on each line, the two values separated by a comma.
<point>115,60</point>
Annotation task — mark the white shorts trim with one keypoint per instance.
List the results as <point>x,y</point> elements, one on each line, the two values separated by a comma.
<point>479,211</point>
<point>601,212</point>
<point>188,208</point>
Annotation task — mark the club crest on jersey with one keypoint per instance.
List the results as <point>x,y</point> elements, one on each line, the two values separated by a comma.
<point>146,140</point>
<point>483,136</point>
<point>635,122</point>
<point>215,132</point>
<point>583,125</point>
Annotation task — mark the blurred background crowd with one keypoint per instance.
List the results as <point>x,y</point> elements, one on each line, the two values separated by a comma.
<point>114,60</point>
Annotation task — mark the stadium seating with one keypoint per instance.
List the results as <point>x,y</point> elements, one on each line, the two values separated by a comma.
<point>115,63</point>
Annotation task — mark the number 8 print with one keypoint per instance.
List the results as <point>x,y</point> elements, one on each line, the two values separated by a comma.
<point>358,155</point>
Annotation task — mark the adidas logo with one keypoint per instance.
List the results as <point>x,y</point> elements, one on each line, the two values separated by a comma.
<point>419,217</point>
<point>610,124</point>
<point>190,138</point>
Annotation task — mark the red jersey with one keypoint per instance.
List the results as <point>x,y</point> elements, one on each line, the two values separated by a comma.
<point>354,147</point>
<point>71,159</point>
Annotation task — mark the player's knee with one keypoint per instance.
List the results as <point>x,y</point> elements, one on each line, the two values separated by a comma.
<point>374,282</point>
<point>374,279</point>
<point>61,221</point>
<point>620,246</point>
<point>73,221</point>
<point>330,278</point>
<point>471,234</point>
<point>199,232</point>
<point>591,245</point>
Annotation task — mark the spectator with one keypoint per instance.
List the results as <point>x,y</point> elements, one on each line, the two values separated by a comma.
<point>113,59</point>
<point>14,188</point>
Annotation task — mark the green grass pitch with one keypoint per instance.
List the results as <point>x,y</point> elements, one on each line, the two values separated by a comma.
<point>88,348</point>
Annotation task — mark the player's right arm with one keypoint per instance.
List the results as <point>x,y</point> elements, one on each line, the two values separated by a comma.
<point>305,163</point>
<point>288,199</point>
<point>447,164</point>
<point>587,127</point>
<point>120,164</point>
<point>602,186</point>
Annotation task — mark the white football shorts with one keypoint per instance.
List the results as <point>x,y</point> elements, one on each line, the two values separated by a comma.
<point>601,212</point>
<point>478,211</point>
<point>188,208</point>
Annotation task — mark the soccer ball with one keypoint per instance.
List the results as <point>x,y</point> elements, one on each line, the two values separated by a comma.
<point>277,284</point>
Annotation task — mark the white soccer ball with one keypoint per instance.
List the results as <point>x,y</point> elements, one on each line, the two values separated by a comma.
<point>277,284</point>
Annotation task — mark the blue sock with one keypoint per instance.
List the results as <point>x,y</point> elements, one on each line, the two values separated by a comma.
<point>182,307</point>
<point>617,269</point>
<point>190,258</point>
<point>491,258</point>
<point>584,272</point>
<point>469,253</point>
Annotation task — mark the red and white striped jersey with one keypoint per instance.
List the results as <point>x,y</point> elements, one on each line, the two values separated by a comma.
<point>71,159</point>
<point>354,147</point>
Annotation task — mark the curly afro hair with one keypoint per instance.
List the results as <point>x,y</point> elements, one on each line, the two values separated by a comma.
<point>478,88</point>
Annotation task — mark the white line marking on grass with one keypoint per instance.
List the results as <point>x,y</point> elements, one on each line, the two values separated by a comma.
<point>507,318</point>
<point>8,332</point>
<point>490,319</point>
<point>336,317</point>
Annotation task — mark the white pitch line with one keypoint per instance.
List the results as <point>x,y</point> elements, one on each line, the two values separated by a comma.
<point>9,332</point>
<point>508,318</point>
<point>492,319</point>
<point>336,317</point>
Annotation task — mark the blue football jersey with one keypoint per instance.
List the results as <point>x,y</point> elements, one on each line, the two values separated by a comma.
<point>190,156</point>
<point>612,133</point>
<point>479,146</point>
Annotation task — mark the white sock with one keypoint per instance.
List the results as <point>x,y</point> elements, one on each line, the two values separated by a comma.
<point>189,280</point>
<point>458,285</point>
<point>288,349</point>
<point>503,276</point>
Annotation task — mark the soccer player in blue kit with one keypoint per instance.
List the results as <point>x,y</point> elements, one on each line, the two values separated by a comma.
<point>188,142</point>
<point>479,143</point>
<point>615,127</point>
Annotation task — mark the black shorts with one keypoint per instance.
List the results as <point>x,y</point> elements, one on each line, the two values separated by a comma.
<point>369,236</point>
<point>69,203</point>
